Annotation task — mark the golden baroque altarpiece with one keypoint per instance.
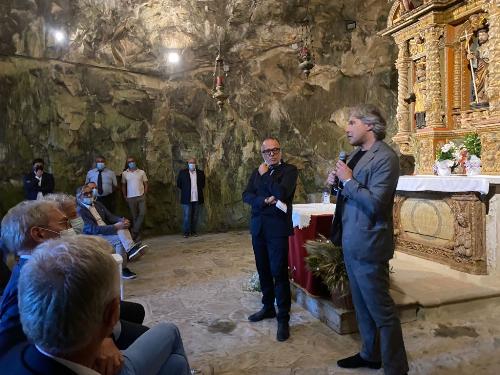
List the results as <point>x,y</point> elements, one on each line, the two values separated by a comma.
<point>448,86</point>
<point>448,77</point>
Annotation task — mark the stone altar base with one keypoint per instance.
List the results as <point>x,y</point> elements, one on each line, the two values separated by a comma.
<point>420,292</point>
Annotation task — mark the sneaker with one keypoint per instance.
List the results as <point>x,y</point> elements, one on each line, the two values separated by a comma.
<point>136,251</point>
<point>127,274</point>
<point>186,235</point>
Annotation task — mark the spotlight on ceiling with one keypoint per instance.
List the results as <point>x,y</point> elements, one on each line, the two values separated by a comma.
<point>173,57</point>
<point>59,36</point>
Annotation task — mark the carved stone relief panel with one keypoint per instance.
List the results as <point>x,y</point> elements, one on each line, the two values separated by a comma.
<point>490,154</point>
<point>446,228</point>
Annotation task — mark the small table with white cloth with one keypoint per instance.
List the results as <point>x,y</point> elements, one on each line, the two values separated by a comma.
<point>309,221</point>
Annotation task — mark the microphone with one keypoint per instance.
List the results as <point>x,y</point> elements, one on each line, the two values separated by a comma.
<point>335,187</point>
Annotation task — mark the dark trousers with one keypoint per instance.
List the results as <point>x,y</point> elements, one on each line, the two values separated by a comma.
<point>108,201</point>
<point>131,318</point>
<point>271,259</point>
<point>190,217</point>
<point>132,312</point>
<point>137,206</point>
<point>378,322</point>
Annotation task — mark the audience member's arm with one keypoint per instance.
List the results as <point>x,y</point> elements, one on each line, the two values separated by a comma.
<point>124,187</point>
<point>31,184</point>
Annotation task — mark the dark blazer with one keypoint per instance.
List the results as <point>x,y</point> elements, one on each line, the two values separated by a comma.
<point>90,223</point>
<point>184,183</point>
<point>31,187</point>
<point>367,224</point>
<point>280,182</point>
<point>11,330</point>
<point>25,359</point>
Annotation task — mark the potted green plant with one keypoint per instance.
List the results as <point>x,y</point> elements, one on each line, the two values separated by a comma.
<point>326,261</point>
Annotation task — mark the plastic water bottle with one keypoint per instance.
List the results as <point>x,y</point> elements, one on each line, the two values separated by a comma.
<point>326,196</point>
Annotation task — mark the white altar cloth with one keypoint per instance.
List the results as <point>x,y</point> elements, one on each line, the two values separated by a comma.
<point>301,214</point>
<point>449,184</point>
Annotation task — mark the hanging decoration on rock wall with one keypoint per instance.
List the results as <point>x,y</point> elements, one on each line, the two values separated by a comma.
<point>305,51</point>
<point>220,73</point>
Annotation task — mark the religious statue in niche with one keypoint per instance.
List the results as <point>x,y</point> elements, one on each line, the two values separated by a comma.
<point>419,90</point>
<point>417,95</point>
<point>478,56</point>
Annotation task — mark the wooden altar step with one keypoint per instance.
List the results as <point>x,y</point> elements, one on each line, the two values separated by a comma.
<point>420,291</point>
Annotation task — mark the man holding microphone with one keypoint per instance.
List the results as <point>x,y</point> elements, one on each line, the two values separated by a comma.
<point>363,226</point>
<point>270,192</point>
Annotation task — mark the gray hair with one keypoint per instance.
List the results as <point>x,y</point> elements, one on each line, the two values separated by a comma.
<point>61,199</point>
<point>18,221</point>
<point>64,290</point>
<point>370,115</point>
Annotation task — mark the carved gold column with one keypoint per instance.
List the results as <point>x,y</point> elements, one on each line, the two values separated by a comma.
<point>403,111</point>
<point>494,63</point>
<point>433,103</point>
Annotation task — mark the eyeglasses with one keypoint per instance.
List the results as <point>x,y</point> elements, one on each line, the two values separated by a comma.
<point>272,151</point>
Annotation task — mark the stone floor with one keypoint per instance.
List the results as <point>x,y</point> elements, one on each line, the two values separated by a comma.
<point>200,284</point>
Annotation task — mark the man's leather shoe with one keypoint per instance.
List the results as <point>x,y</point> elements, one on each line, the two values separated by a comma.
<point>283,331</point>
<point>357,361</point>
<point>262,314</point>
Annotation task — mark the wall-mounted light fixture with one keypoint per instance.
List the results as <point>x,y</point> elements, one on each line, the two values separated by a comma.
<point>173,57</point>
<point>59,36</point>
<point>350,25</point>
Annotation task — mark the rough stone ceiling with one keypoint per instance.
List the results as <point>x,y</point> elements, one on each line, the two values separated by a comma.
<point>135,34</point>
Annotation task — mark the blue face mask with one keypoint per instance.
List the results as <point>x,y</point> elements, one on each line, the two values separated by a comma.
<point>100,166</point>
<point>191,166</point>
<point>132,165</point>
<point>88,200</point>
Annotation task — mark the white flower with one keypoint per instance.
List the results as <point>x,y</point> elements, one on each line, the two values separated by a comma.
<point>446,147</point>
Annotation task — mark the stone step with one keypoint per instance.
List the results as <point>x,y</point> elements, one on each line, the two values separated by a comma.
<point>419,291</point>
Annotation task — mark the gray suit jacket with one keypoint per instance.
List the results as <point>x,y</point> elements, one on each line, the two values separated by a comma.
<point>367,225</point>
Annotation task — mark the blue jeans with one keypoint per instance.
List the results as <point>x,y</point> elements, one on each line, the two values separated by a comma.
<point>157,351</point>
<point>190,217</point>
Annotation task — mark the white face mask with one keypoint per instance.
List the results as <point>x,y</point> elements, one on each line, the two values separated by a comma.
<point>70,232</point>
<point>77,224</point>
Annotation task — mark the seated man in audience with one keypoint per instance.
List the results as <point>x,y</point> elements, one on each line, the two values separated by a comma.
<point>130,312</point>
<point>26,225</point>
<point>99,221</point>
<point>67,205</point>
<point>69,293</point>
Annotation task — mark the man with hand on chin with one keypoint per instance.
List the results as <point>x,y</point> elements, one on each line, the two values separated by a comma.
<point>270,192</point>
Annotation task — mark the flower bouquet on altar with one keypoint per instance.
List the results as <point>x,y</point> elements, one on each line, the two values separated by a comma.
<point>472,144</point>
<point>446,159</point>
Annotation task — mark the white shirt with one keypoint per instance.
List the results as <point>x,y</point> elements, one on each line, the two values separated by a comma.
<point>75,367</point>
<point>135,182</point>
<point>39,195</point>
<point>194,187</point>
